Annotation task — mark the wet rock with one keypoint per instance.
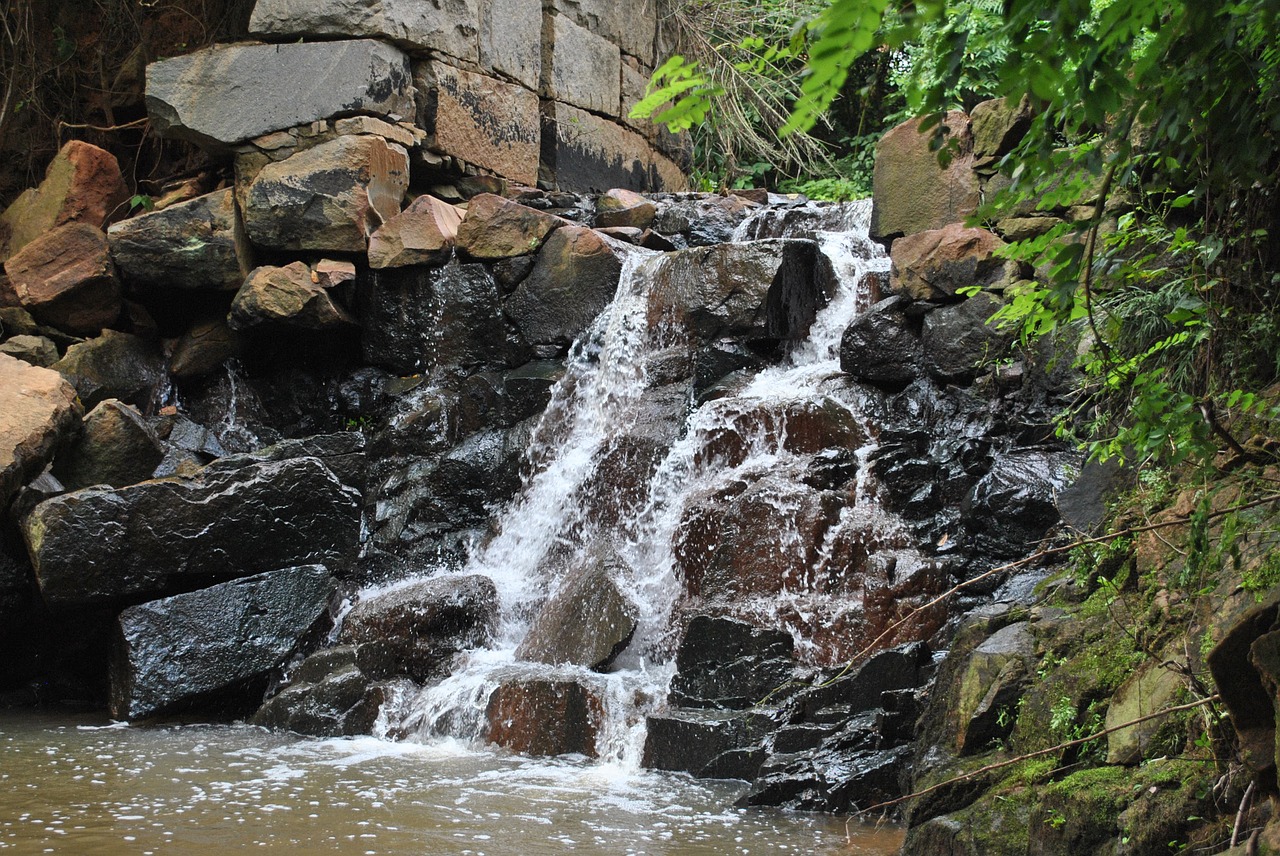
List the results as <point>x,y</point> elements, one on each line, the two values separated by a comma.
<point>497,228</point>
<point>545,717</point>
<point>580,67</point>
<point>1011,507</point>
<point>836,781</point>
<point>113,365</point>
<point>449,27</point>
<point>882,346</point>
<point>624,208</point>
<point>99,545</point>
<point>528,388</point>
<point>204,348</point>
<point>589,153</point>
<point>589,622</point>
<point>198,244</point>
<point>729,664</point>
<point>343,453</point>
<point>339,703</point>
<point>416,630</point>
<point>573,280</point>
<point>116,447</point>
<point>38,412</point>
<point>82,184</point>
<point>912,192</point>
<point>330,197</point>
<point>65,278</point>
<point>34,350</point>
<point>701,219</point>
<point>933,265</point>
<point>698,741</point>
<point>227,94</point>
<point>960,342</point>
<point>863,688</point>
<point>1156,685</point>
<point>289,296</point>
<point>492,123</point>
<point>176,650</point>
<point>994,678</point>
<point>424,233</point>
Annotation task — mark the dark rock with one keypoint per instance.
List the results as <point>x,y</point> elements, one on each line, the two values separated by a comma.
<point>589,622</point>
<point>204,348</point>
<point>586,152</point>
<point>693,741</point>
<point>700,219</point>
<point>835,781</point>
<point>882,346</point>
<point>198,244</point>
<point>116,447</point>
<point>725,663</point>
<point>863,688</point>
<point>187,646</point>
<point>1083,503</point>
<point>960,342</point>
<point>542,717</point>
<point>1242,687</point>
<point>573,280</point>
<point>38,412</point>
<point>528,388</point>
<point>98,545</point>
<point>1011,507</point>
<point>993,679</point>
<point>65,278</point>
<point>114,365</point>
<point>343,453</point>
<point>35,350</point>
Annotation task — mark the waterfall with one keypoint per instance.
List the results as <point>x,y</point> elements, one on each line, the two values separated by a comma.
<point>753,434</point>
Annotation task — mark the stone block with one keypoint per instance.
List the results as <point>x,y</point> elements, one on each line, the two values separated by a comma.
<point>511,39</point>
<point>198,244</point>
<point>583,152</point>
<point>441,26</point>
<point>580,67</point>
<point>630,26</point>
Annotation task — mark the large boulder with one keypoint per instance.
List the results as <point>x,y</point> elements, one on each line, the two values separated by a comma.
<point>114,365</point>
<point>116,447</point>
<point>38,411</point>
<point>587,623</point>
<point>991,681</point>
<point>545,717</point>
<point>331,197</point>
<point>935,264</point>
<point>423,233</point>
<point>82,184</point>
<point>912,192</point>
<point>882,346</point>
<point>585,153</point>
<point>449,27</point>
<point>198,244</point>
<point>181,648</point>
<point>289,296</point>
<point>690,740</point>
<point>580,67</point>
<point>998,126</point>
<point>65,279</point>
<point>415,630</point>
<point>101,545</point>
<point>960,341</point>
<point>729,664</point>
<point>497,228</point>
<point>572,282</point>
<point>227,94</point>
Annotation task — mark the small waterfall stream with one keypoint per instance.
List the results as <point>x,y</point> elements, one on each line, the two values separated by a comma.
<point>753,432</point>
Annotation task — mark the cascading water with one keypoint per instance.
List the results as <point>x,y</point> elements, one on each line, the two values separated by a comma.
<point>753,434</point>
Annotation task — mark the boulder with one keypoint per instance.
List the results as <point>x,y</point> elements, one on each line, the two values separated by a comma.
<point>589,622</point>
<point>689,741</point>
<point>1154,686</point>
<point>227,94</point>
<point>960,342</point>
<point>178,649</point>
<point>729,664</point>
<point>1234,662</point>
<point>422,234</point>
<point>36,350</point>
<point>1012,506</point>
<point>912,192</point>
<point>882,346</point>
<point>38,412</point>
<point>497,228</point>
<point>203,348</point>
<point>527,389</point>
<point>113,365</point>
<point>291,296</point>
<point>330,197</point>
<point>511,40</point>
<point>82,184</point>
<point>702,219</point>
<point>449,27</point>
<point>631,28</point>
<point>574,279</point>
<point>998,125</point>
<point>328,696</point>
<point>415,630</point>
<point>545,717</point>
<point>198,244</point>
<point>482,120</point>
<point>116,447</point>
<point>65,278</point>
<point>989,686</point>
<point>933,265</point>
<point>624,208</point>
<point>580,67</point>
<point>584,153</point>
<point>100,545</point>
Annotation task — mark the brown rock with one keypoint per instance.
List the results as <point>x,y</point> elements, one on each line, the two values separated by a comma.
<point>82,185</point>
<point>573,280</point>
<point>333,273</point>
<point>496,228</point>
<point>65,278</point>
<point>998,126</point>
<point>38,410</point>
<point>36,350</point>
<point>625,208</point>
<point>538,717</point>
<point>424,233</point>
<point>911,191</point>
<point>588,623</point>
<point>116,447</point>
<point>932,265</point>
<point>204,347</point>
<point>289,296</point>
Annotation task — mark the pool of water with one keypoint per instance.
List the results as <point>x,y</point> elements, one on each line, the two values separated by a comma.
<point>82,786</point>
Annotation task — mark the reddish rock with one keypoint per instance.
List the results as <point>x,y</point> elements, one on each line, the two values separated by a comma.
<point>497,228</point>
<point>933,265</point>
<point>542,717</point>
<point>912,192</point>
<point>424,233</point>
<point>66,279</point>
<point>81,185</point>
<point>291,296</point>
<point>38,410</point>
<point>331,273</point>
<point>620,207</point>
<point>574,279</point>
<point>204,347</point>
<point>799,427</point>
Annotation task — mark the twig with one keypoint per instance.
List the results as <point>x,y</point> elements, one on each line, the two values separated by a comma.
<point>134,124</point>
<point>1040,753</point>
<point>1244,806</point>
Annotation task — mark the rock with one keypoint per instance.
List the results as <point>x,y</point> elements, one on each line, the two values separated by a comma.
<point>114,365</point>
<point>1024,228</point>
<point>227,94</point>
<point>290,296</point>
<point>415,630</point>
<point>178,649</point>
<point>993,679</point>
<point>631,28</point>
<point>933,265</point>
<point>38,412</point>
<point>485,121</point>
<point>580,67</point>
<point>1083,504</point>
<point>82,184</point>
<point>329,697</point>
<point>528,388</point>
<point>729,664</point>
<point>198,244</point>
<point>1244,688</point>
<point>422,234</point>
<point>1155,685</point>
<point>544,717</point>
<point>449,27</point>
<point>100,545</point>
<point>589,622</point>
<point>863,689</point>
<point>36,350</point>
<point>588,153</point>
<point>912,192</point>
<point>701,219</point>
<point>496,228</point>
<point>116,447</point>
<point>837,781</point>
<point>960,342</point>
<point>625,208</point>
<point>998,125</point>
<point>65,278</point>
<point>574,279</point>
<point>203,349</point>
<point>757,290</point>
<point>882,346</point>
<point>511,40</point>
<point>1011,507</point>
<point>689,741</point>
<point>329,198</point>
